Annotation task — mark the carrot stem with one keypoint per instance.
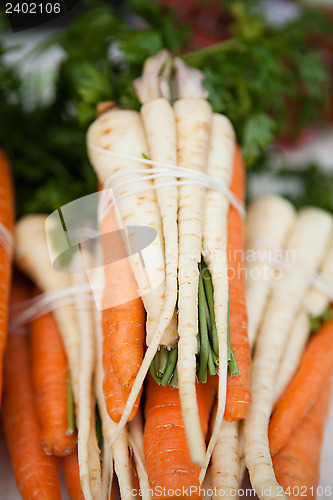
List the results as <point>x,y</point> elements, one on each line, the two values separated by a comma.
<point>70,409</point>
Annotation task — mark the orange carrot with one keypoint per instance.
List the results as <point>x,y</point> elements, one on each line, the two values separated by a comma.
<point>7,219</point>
<point>123,319</point>
<point>35,472</point>
<point>315,368</point>
<point>50,377</point>
<point>115,395</point>
<point>165,446</point>
<point>296,465</point>
<point>70,467</point>
<point>238,388</point>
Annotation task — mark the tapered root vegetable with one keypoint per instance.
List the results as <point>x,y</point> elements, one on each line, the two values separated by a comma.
<point>6,221</point>
<point>193,119</point>
<point>70,467</point>
<point>121,132</point>
<point>216,205</point>
<point>50,378</point>
<point>88,451</point>
<point>135,437</point>
<point>315,303</point>
<point>36,473</point>
<point>123,319</point>
<point>238,387</point>
<point>166,452</point>
<point>312,228</point>
<point>32,257</point>
<point>160,127</point>
<point>118,449</point>
<point>316,366</point>
<point>268,222</point>
<point>225,462</point>
<point>296,465</point>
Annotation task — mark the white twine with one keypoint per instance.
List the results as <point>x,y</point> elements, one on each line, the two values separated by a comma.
<point>34,308</point>
<point>6,239</point>
<point>160,170</point>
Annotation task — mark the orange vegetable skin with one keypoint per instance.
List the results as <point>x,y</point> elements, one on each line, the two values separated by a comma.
<point>123,323</point>
<point>35,472</point>
<point>50,376</point>
<point>167,457</point>
<point>296,465</point>
<point>7,219</point>
<point>315,368</point>
<point>238,387</point>
<point>70,467</point>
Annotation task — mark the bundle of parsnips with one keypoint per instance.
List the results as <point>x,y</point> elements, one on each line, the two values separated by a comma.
<point>165,156</point>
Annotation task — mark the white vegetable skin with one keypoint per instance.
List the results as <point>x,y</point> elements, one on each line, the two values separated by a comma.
<point>193,119</point>
<point>225,462</point>
<point>268,222</point>
<point>136,441</point>
<point>88,451</point>
<point>216,206</point>
<point>33,259</point>
<point>311,228</point>
<point>315,303</point>
<point>121,131</point>
<point>160,127</point>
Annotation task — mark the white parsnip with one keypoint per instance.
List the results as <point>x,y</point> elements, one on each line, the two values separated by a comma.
<point>193,119</point>
<point>135,436</point>
<point>94,463</point>
<point>160,127</point>
<point>32,257</point>
<point>121,131</point>
<point>315,303</point>
<point>311,228</point>
<point>152,84</point>
<point>216,206</point>
<point>225,462</point>
<point>268,222</point>
<point>88,451</point>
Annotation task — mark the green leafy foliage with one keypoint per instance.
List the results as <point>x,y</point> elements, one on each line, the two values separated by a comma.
<point>266,80</point>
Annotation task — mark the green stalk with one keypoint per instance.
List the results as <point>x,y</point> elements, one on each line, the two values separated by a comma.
<point>233,366</point>
<point>174,381</point>
<point>152,370</point>
<point>204,340</point>
<point>211,364</point>
<point>163,361</point>
<point>195,58</point>
<point>173,355</point>
<point>70,409</point>
<point>209,295</point>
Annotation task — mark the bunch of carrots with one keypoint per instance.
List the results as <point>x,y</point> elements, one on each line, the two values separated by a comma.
<point>229,376</point>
